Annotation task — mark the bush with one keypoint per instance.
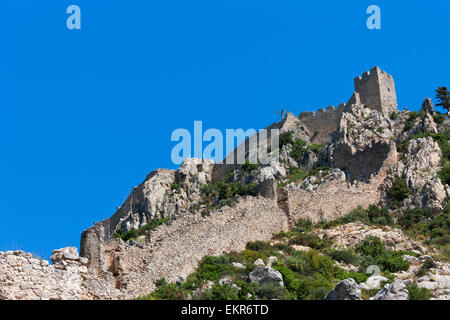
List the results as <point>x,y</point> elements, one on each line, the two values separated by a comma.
<point>175,186</point>
<point>399,190</point>
<point>133,233</point>
<point>410,121</point>
<point>416,293</point>
<point>371,246</point>
<point>270,291</point>
<point>393,115</point>
<point>392,262</point>
<point>298,150</point>
<point>439,118</point>
<point>166,291</point>
<point>248,167</point>
<point>285,138</point>
<point>310,240</point>
<point>358,277</point>
<point>344,256</point>
<point>313,288</point>
<point>380,216</point>
<point>444,174</point>
<point>222,292</point>
<point>427,265</point>
<point>258,246</point>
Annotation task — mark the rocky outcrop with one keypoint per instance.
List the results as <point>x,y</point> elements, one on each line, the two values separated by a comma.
<point>393,291</point>
<point>362,146</point>
<point>347,289</point>
<point>420,170</point>
<point>351,234</point>
<point>266,275</point>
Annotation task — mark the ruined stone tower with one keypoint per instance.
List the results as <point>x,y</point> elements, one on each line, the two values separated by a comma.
<point>376,90</point>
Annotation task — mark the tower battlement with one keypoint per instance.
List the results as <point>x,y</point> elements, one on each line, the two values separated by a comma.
<point>376,89</point>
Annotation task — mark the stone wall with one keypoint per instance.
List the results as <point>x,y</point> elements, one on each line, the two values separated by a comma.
<point>330,200</point>
<point>175,249</point>
<point>323,124</point>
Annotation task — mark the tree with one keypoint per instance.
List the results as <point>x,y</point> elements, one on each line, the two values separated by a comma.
<point>443,97</point>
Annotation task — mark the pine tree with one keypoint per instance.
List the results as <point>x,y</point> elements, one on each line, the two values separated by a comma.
<point>443,97</point>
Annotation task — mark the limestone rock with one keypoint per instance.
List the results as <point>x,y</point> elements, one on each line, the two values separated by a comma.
<point>266,275</point>
<point>393,291</point>
<point>374,282</point>
<point>347,289</point>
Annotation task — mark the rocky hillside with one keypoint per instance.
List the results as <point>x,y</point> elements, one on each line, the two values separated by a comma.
<point>364,215</point>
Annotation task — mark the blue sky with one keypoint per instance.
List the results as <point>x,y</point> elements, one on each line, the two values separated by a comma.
<point>86,114</point>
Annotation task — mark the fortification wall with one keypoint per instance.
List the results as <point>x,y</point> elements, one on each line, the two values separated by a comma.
<point>331,200</point>
<point>323,124</point>
<point>175,249</point>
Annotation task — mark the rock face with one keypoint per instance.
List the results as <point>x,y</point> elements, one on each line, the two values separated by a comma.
<point>266,275</point>
<point>347,289</point>
<point>393,291</point>
<point>362,145</point>
<point>420,171</point>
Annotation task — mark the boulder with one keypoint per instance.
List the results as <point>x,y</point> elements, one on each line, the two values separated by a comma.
<point>347,289</point>
<point>259,262</point>
<point>266,275</point>
<point>393,291</point>
<point>68,253</point>
<point>238,265</point>
<point>374,282</point>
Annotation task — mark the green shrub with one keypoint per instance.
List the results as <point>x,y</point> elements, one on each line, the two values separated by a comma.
<point>222,292</point>
<point>298,150</point>
<point>313,288</point>
<point>439,118</point>
<point>290,281</point>
<point>285,138</point>
<point>358,277</point>
<point>271,291</point>
<point>392,262</point>
<point>371,246</point>
<point>416,293</point>
<point>393,115</point>
<point>410,121</point>
<point>400,190</point>
<point>380,216</point>
<point>427,265</point>
<point>175,186</point>
<point>444,174</point>
<point>166,291</point>
<point>133,233</point>
<point>258,246</point>
<point>344,256</point>
<point>310,240</point>
<point>248,167</point>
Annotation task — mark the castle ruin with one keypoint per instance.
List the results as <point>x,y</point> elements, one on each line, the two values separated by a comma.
<point>375,89</point>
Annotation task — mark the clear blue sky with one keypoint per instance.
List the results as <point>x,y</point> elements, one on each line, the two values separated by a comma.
<point>87,114</point>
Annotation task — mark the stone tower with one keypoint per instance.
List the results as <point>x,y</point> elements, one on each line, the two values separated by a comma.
<point>376,90</point>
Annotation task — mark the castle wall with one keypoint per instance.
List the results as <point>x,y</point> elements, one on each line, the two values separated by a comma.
<point>323,124</point>
<point>331,200</point>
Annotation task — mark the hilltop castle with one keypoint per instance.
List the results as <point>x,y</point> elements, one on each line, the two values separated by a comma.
<point>375,89</point>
